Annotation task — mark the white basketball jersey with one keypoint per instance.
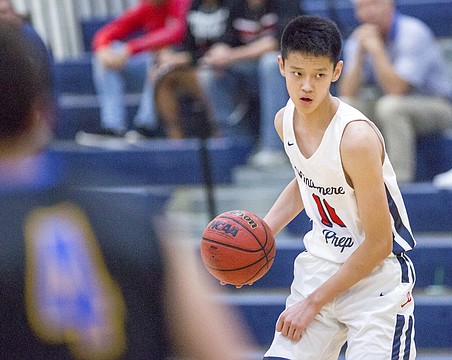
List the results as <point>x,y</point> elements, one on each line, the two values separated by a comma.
<point>328,199</point>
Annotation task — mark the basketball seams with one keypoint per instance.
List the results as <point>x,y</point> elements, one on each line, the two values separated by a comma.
<point>244,226</point>
<point>252,278</point>
<point>265,227</point>
<point>230,246</point>
<point>225,232</point>
<point>239,268</point>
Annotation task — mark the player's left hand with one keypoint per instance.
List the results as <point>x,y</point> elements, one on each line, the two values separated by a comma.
<point>294,320</point>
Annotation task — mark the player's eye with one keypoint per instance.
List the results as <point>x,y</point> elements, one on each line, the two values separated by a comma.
<point>320,75</point>
<point>297,73</point>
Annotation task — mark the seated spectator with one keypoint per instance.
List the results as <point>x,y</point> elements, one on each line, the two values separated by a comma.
<point>83,276</point>
<point>179,67</point>
<point>395,74</point>
<point>244,66</point>
<point>124,44</point>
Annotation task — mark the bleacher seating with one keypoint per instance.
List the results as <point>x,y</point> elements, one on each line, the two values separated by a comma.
<point>154,162</point>
<point>79,110</point>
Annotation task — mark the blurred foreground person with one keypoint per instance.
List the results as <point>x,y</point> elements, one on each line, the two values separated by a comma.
<point>79,277</point>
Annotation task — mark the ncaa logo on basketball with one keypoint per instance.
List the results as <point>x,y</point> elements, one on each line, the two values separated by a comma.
<point>223,226</point>
<point>245,217</point>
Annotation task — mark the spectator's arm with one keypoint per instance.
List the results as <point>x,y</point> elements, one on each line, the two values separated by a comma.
<point>253,50</point>
<point>386,75</point>
<point>388,79</point>
<point>351,80</point>
<point>222,55</point>
<point>118,29</point>
<point>170,34</point>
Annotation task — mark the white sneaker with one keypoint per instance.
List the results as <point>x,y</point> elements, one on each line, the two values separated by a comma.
<point>444,180</point>
<point>100,139</point>
<point>268,158</point>
<point>134,136</point>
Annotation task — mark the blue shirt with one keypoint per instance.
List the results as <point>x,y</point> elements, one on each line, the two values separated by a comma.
<point>415,55</point>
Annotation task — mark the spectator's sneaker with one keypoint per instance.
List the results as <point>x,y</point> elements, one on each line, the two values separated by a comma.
<point>444,180</point>
<point>266,159</point>
<point>140,133</point>
<point>102,137</point>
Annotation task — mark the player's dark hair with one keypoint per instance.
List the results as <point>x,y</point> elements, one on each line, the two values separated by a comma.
<point>21,82</point>
<point>312,35</point>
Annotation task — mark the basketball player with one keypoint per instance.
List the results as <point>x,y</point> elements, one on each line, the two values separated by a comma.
<point>83,274</point>
<point>354,282</point>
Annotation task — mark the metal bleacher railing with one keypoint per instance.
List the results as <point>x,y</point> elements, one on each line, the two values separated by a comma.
<point>58,21</point>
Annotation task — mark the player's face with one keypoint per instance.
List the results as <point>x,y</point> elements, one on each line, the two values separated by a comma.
<point>308,79</point>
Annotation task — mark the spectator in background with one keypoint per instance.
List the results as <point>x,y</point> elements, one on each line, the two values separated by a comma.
<point>206,20</point>
<point>244,65</point>
<point>128,42</point>
<point>395,74</point>
<point>77,281</point>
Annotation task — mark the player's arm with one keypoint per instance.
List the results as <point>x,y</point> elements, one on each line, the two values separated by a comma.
<point>289,203</point>
<point>285,209</point>
<point>362,156</point>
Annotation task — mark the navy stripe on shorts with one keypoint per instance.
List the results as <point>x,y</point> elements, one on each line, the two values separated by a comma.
<point>398,334</point>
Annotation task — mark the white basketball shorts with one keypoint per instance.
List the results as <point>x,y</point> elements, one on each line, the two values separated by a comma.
<point>374,317</point>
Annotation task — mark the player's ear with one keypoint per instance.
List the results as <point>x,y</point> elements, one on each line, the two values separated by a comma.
<point>337,71</point>
<point>281,65</point>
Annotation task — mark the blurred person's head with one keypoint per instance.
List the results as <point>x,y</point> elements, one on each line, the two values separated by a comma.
<point>376,12</point>
<point>25,126</point>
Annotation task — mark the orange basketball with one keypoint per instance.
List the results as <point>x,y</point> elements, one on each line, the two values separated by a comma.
<point>237,247</point>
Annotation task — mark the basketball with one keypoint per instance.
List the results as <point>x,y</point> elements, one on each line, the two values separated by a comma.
<point>237,247</point>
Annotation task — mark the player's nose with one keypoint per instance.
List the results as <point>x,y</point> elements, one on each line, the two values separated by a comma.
<point>307,85</point>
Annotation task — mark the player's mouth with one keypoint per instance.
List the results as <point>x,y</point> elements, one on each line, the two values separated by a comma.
<point>306,100</point>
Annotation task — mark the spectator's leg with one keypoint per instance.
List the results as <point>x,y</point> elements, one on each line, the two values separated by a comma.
<point>167,103</point>
<point>109,85</point>
<point>367,107</point>
<point>274,96</point>
<point>401,119</point>
<point>145,116</point>
<point>220,89</point>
